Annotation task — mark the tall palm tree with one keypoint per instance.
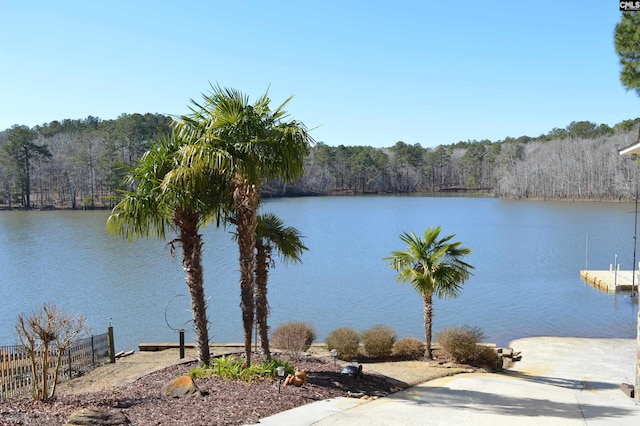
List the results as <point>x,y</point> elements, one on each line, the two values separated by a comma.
<point>261,144</point>
<point>168,196</point>
<point>287,241</point>
<point>432,265</point>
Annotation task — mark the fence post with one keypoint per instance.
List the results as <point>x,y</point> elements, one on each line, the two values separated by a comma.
<point>112,350</point>
<point>69,352</point>
<point>93,353</point>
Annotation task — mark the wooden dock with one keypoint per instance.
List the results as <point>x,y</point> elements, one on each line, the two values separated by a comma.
<point>156,347</point>
<point>610,281</point>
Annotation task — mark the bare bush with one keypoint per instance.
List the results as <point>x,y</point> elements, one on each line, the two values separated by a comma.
<point>378,341</point>
<point>346,341</point>
<point>48,333</point>
<point>409,348</point>
<point>294,337</point>
<point>460,343</point>
<point>486,357</point>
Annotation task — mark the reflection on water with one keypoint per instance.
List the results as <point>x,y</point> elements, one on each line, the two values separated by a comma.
<point>527,256</point>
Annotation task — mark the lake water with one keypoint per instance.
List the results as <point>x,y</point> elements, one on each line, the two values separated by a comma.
<point>527,257</point>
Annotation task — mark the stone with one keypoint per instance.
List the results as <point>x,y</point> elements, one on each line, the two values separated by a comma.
<point>180,387</point>
<point>97,417</point>
<point>627,389</point>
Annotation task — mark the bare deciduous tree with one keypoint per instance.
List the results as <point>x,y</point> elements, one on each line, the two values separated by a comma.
<point>46,333</point>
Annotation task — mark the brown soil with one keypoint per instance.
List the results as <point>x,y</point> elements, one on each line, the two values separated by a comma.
<point>133,384</point>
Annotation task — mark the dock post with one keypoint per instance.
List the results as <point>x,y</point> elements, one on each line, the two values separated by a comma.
<point>112,350</point>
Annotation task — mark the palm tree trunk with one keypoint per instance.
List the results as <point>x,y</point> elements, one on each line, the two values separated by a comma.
<point>427,299</point>
<point>245,198</point>
<point>262,306</point>
<point>191,242</point>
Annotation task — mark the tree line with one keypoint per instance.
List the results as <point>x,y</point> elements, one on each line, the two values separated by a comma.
<point>579,162</point>
<point>80,163</point>
<point>73,163</point>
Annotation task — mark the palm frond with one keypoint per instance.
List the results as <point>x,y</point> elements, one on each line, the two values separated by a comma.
<point>286,240</point>
<point>138,216</point>
<point>432,265</point>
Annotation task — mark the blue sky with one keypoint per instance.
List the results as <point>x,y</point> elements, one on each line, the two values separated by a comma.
<point>361,72</point>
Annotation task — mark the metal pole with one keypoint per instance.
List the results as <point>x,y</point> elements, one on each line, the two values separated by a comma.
<point>637,383</point>
<point>587,254</point>
<point>635,241</point>
<point>615,270</point>
<point>112,346</point>
<point>637,389</point>
<point>181,343</point>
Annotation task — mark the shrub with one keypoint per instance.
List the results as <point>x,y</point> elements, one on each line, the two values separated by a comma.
<point>409,348</point>
<point>486,357</point>
<point>346,341</point>
<point>293,337</point>
<point>378,341</point>
<point>232,367</point>
<point>459,343</point>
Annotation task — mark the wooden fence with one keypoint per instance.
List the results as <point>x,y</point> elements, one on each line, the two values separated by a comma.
<point>16,375</point>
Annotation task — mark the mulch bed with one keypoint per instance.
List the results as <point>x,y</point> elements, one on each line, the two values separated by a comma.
<point>226,402</point>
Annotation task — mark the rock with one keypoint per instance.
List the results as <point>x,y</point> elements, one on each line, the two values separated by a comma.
<point>627,389</point>
<point>181,386</point>
<point>97,417</point>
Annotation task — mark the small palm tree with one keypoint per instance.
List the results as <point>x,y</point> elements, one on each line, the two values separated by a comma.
<point>287,241</point>
<point>168,196</point>
<point>432,265</point>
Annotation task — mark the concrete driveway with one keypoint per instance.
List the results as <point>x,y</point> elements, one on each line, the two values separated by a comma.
<point>559,381</point>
